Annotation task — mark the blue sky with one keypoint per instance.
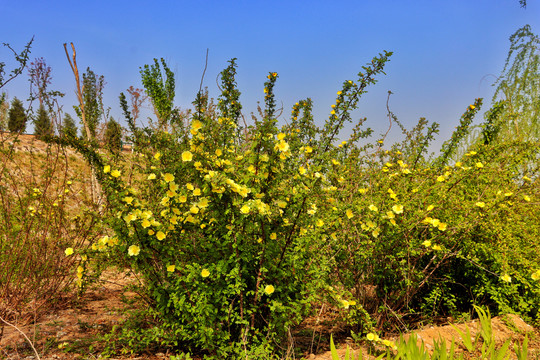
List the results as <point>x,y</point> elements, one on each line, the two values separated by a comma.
<point>446,53</point>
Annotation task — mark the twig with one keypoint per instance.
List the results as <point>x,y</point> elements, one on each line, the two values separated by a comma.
<point>23,334</point>
<point>204,71</point>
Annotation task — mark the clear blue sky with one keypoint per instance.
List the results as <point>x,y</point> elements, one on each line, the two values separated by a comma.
<point>446,53</point>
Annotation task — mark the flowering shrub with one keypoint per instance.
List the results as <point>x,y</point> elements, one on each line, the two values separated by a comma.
<point>218,218</point>
<point>237,230</point>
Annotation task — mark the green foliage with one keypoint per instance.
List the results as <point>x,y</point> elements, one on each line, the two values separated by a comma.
<point>519,87</point>
<point>113,136</point>
<point>21,58</point>
<point>425,242</point>
<point>237,230</point>
<point>68,128</point>
<point>221,229</point>
<point>42,124</point>
<point>17,117</point>
<point>161,91</point>
<point>93,99</point>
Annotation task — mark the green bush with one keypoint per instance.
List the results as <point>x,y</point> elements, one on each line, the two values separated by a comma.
<point>236,231</point>
<point>218,219</point>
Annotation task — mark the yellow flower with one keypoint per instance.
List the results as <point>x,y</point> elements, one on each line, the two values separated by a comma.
<point>430,207</point>
<point>472,107</point>
<point>128,200</point>
<point>171,268</point>
<point>506,278</point>
<point>273,236</point>
<point>302,170</point>
<point>345,304</point>
<point>480,204</point>
<point>427,243</point>
<point>442,226</point>
<point>157,155</point>
<point>189,186</point>
<point>196,125</point>
<point>398,209</point>
<point>282,146</point>
<point>145,223</point>
<point>115,173</point>
<point>281,136</point>
<point>107,168</point>
<point>196,192</point>
<point>69,251</point>
<point>151,176</point>
<point>479,165</point>
<point>436,247</point>
<point>134,250</point>
<point>269,289</point>
<point>536,275</point>
<point>526,198</point>
<point>244,209</point>
<point>187,156</point>
<point>160,235</point>
<point>168,177</point>
<point>205,273</point>
<point>371,336</point>
<point>320,223</point>
<point>441,178</point>
<point>373,208</point>
<point>282,204</point>
<point>349,213</point>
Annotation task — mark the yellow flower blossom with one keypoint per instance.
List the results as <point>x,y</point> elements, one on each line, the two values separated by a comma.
<point>373,208</point>
<point>506,278</point>
<point>273,236</point>
<point>430,207</point>
<point>187,156</point>
<point>442,226</point>
<point>269,289</point>
<point>398,209</point>
<point>196,125</point>
<point>160,235</point>
<point>151,176</point>
<point>107,168</point>
<point>282,204</point>
<point>349,213</point>
<point>171,268</point>
<point>244,209</point>
<point>205,273</point>
<point>436,247</point>
<point>441,178</point>
<point>526,198</point>
<point>480,204</point>
<point>69,251</point>
<point>426,243</point>
<point>196,192</point>
<point>115,173</point>
<point>282,146</point>
<point>479,165</point>
<point>134,250</point>
<point>168,177</point>
<point>145,223</point>
<point>320,223</point>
